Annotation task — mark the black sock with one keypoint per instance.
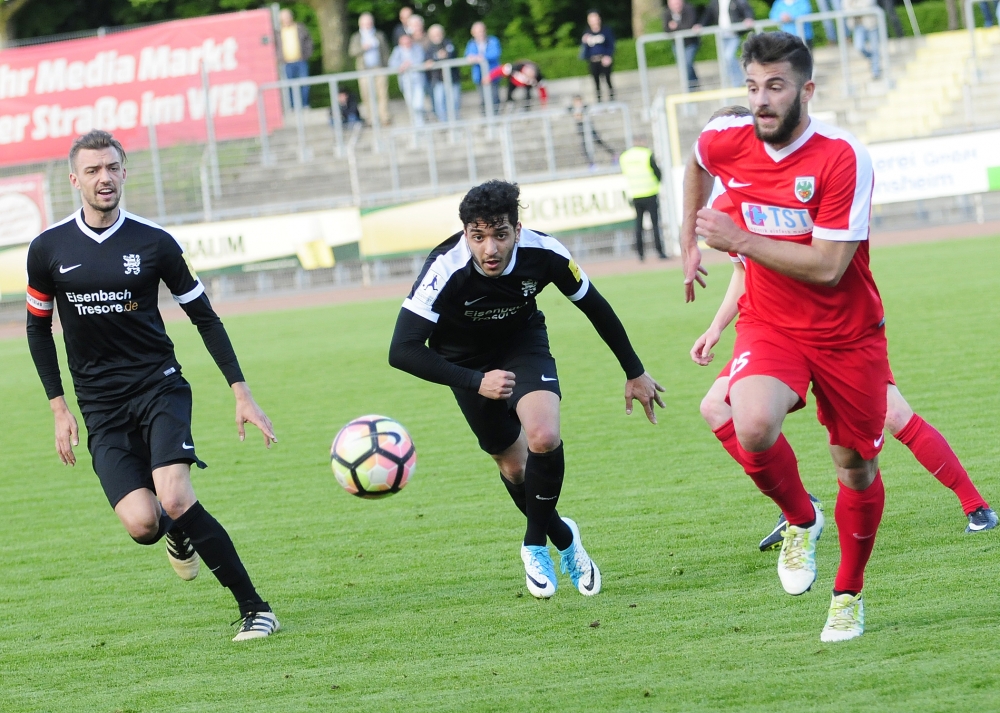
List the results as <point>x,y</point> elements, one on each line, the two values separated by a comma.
<point>543,477</point>
<point>213,543</point>
<point>557,530</point>
<point>165,525</point>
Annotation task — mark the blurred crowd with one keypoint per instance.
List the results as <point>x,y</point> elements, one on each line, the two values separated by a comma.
<point>428,64</point>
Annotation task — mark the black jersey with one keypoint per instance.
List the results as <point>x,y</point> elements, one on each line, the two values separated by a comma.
<point>455,315</point>
<point>475,314</point>
<point>106,286</point>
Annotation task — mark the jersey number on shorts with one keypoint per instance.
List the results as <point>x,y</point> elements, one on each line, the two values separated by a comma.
<point>738,363</point>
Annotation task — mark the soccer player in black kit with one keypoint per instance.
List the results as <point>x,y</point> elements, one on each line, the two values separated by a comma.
<point>471,323</point>
<point>103,267</point>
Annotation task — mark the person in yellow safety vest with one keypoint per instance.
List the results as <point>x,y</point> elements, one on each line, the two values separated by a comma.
<point>642,177</point>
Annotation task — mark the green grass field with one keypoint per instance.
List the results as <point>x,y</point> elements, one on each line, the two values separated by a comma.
<point>417,603</point>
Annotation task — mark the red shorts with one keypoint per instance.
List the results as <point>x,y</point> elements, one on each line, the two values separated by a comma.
<point>849,384</point>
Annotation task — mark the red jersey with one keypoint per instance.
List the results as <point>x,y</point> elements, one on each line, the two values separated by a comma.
<point>819,186</point>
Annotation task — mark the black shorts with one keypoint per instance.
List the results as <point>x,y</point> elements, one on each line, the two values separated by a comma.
<point>129,441</point>
<point>495,423</point>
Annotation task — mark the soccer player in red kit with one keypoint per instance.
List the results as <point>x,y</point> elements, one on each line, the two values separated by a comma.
<point>811,311</point>
<point>929,447</point>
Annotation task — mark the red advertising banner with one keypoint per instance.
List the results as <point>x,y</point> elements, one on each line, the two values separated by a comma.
<point>23,207</point>
<point>52,93</point>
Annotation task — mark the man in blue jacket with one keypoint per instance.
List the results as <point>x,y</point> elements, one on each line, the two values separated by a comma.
<point>483,46</point>
<point>598,48</point>
<point>785,12</point>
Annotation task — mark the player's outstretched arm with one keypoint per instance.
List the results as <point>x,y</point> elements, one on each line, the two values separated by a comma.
<point>647,391</point>
<point>701,352</point>
<point>697,190</point>
<point>247,411</point>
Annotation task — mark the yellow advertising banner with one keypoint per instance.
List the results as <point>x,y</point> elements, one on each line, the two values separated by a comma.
<point>549,207</point>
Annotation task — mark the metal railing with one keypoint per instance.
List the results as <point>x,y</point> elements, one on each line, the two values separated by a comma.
<point>970,25</point>
<point>678,37</point>
<point>506,127</point>
<point>840,17</point>
<point>368,76</point>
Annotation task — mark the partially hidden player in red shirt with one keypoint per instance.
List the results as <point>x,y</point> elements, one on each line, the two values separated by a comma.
<point>929,447</point>
<point>811,312</point>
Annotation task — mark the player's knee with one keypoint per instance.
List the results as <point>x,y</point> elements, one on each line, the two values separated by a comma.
<point>714,411</point>
<point>756,434</point>
<point>857,478</point>
<point>542,439</point>
<point>897,415</point>
<point>176,505</point>
<point>143,529</point>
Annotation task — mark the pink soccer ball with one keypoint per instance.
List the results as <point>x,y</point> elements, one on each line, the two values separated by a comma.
<point>373,457</point>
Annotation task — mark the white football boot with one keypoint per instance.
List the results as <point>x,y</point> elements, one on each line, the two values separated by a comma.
<point>182,555</point>
<point>575,560</point>
<point>257,625</point>
<point>797,560</point>
<point>539,571</point>
<point>846,619</point>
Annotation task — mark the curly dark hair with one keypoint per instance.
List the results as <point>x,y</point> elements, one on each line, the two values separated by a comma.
<point>773,47</point>
<point>490,203</point>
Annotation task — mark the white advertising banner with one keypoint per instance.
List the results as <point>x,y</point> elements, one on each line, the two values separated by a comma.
<point>936,167</point>
<point>24,208</point>
<point>213,246</point>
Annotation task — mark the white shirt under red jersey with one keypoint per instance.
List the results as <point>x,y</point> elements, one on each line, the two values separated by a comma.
<point>820,186</point>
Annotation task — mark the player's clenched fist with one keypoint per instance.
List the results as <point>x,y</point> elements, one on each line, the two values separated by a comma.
<point>719,230</point>
<point>497,384</point>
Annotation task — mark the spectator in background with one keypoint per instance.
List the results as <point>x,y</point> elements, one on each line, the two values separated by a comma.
<point>403,26</point>
<point>406,56</point>
<point>295,47</point>
<point>598,49</point>
<point>370,50</point>
<point>578,109</point>
<point>865,33</point>
<point>829,26</point>
<point>415,29</point>
<point>348,106</point>
<point>989,15</point>
<point>523,74</point>
<point>785,12</point>
<point>442,48</point>
<point>642,180</point>
<point>483,46</point>
<point>895,27</point>
<point>732,16</point>
<point>680,15</point>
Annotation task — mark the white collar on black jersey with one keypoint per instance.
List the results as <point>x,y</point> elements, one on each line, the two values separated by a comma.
<point>778,154</point>
<point>509,269</point>
<point>99,237</point>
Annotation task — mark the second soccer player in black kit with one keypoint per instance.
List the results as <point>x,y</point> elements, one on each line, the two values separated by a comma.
<point>474,304</point>
<point>103,268</point>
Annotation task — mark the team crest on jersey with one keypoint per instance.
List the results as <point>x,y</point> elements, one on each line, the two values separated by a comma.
<point>574,269</point>
<point>131,264</point>
<point>805,188</point>
<point>529,287</point>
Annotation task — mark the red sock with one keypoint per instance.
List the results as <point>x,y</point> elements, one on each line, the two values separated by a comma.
<point>858,514</point>
<point>726,434</point>
<point>776,473</point>
<point>932,451</point>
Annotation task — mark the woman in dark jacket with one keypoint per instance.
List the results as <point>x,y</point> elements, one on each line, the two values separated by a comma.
<point>598,49</point>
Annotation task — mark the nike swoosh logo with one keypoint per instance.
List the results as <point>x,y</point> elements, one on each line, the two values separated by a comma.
<point>540,585</point>
<point>863,537</point>
<point>733,183</point>
<point>472,302</point>
<point>539,497</point>
<point>549,378</point>
<point>186,447</point>
<point>973,526</point>
<point>64,270</point>
<point>878,441</point>
<point>590,587</point>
